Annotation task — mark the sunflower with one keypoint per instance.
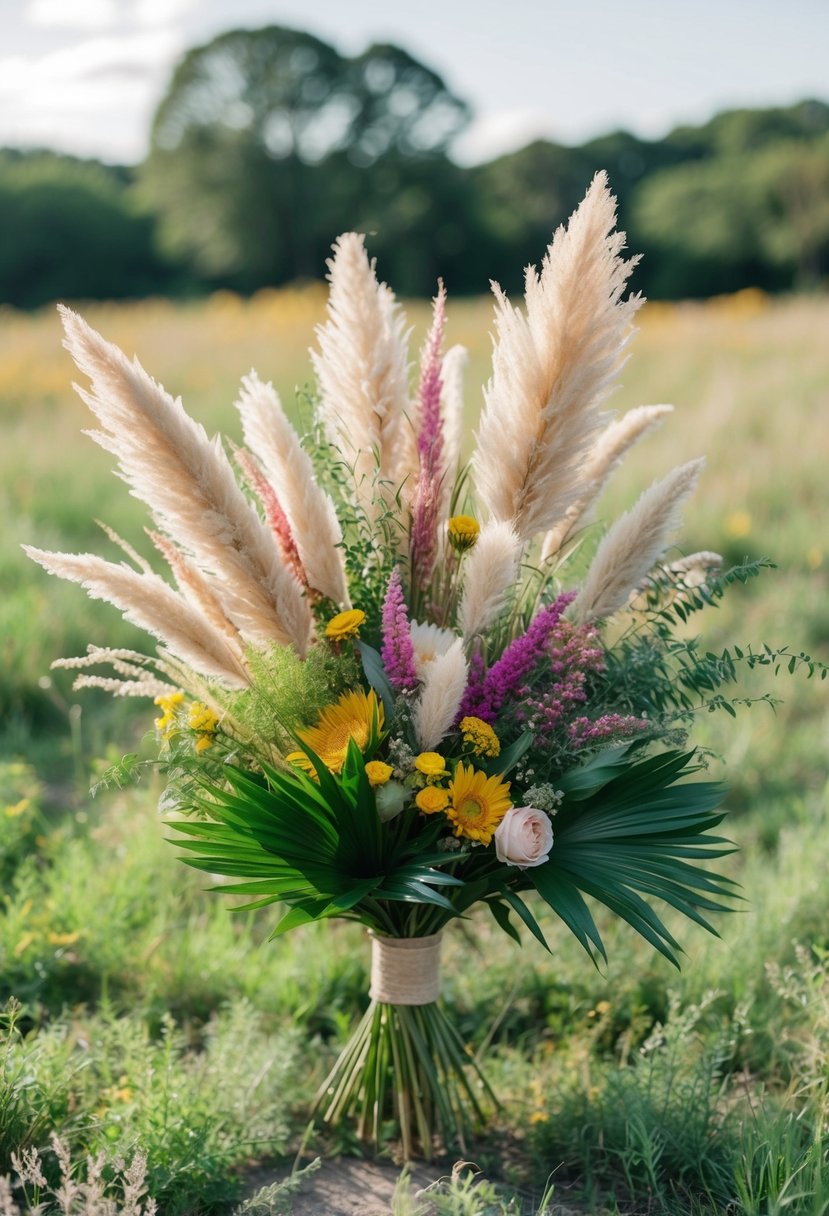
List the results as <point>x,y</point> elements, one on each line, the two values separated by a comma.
<point>477,803</point>
<point>345,624</point>
<point>357,716</point>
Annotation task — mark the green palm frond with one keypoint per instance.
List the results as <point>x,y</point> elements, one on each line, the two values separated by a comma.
<point>317,846</point>
<point>631,830</point>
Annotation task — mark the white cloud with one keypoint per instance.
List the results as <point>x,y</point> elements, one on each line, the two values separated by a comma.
<point>160,12</point>
<point>73,14</point>
<point>93,98</point>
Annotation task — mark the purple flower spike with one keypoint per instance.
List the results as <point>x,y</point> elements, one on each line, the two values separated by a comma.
<point>398,652</point>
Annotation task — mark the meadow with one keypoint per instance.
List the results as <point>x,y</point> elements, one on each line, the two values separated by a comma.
<point>142,1017</point>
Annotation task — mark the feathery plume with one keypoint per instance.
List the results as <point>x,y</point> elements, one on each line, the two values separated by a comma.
<point>310,511</point>
<point>188,483</point>
<point>148,602</point>
<point>431,473</point>
<point>633,544</point>
<point>398,650</point>
<point>274,513</point>
<point>608,451</point>
<point>362,369</point>
<point>444,683</point>
<point>195,588</point>
<point>138,561</point>
<point>451,404</point>
<point>489,571</point>
<point>553,368</point>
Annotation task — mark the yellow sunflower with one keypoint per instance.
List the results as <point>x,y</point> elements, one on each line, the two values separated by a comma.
<point>357,716</point>
<point>477,803</point>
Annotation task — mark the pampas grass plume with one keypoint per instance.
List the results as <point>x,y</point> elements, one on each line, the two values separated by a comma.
<point>634,543</point>
<point>489,571</point>
<point>444,683</point>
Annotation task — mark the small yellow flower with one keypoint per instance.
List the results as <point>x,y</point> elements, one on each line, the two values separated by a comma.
<point>378,773</point>
<point>738,524</point>
<point>539,1116</point>
<point>431,799</point>
<point>480,737</point>
<point>62,939</point>
<point>168,703</point>
<point>202,718</point>
<point>463,531</point>
<point>345,625</point>
<point>203,742</point>
<point>19,808</point>
<point>478,803</point>
<point>431,765</point>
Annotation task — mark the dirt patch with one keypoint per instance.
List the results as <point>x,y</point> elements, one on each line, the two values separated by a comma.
<point>348,1187</point>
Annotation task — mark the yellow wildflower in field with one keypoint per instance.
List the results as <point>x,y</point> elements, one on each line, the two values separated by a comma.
<point>738,524</point>
<point>62,939</point>
<point>378,772</point>
<point>431,799</point>
<point>432,765</point>
<point>202,718</point>
<point>18,808</point>
<point>356,716</point>
<point>463,531</point>
<point>480,737</point>
<point>345,625</point>
<point>478,803</point>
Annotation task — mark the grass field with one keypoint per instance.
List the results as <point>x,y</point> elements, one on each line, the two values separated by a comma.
<point>150,1020</point>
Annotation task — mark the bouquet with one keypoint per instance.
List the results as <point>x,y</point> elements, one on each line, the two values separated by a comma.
<point>394,685</point>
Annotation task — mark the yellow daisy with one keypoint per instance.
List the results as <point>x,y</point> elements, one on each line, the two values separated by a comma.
<point>345,625</point>
<point>480,737</point>
<point>432,799</point>
<point>357,716</point>
<point>477,803</point>
<point>463,531</point>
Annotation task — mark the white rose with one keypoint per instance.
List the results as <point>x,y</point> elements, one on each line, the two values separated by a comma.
<point>524,837</point>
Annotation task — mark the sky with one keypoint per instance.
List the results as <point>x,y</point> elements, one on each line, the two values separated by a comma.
<point>84,76</point>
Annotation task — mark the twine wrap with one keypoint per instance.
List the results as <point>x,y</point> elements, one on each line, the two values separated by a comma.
<point>405,970</point>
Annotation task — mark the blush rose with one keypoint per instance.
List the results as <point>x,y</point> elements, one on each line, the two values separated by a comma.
<point>524,837</point>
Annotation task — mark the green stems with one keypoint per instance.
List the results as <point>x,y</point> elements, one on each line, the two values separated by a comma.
<point>406,1064</point>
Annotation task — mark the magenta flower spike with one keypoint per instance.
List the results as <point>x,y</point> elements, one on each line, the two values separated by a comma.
<point>398,651</point>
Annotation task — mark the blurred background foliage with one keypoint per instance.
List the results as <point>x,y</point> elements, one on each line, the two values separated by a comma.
<point>270,142</point>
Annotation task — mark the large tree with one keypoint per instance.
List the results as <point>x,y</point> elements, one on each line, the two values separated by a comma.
<point>267,144</point>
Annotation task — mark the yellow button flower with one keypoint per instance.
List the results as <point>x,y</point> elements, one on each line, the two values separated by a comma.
<point>345,625</point>
<point>479,737</point>
<point>431,765</point>
<point>378,773</point>
<point>431,800</point>
<point>463,531</point>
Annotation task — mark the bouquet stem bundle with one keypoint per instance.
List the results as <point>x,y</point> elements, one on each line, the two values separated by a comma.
<point>406,1064</point>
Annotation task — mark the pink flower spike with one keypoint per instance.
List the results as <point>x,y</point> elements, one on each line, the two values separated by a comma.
<point>274,513</point>
<point>429,447</point>
<point>398,651</point>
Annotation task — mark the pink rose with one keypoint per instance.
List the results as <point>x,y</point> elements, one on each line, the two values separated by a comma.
<point>524,837</point>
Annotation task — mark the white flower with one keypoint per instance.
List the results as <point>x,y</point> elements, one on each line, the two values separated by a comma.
<point>429,641</point>
<point>524,837</point>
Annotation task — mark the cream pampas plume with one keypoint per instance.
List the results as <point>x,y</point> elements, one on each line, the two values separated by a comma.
<point>553,368</point>
<point>634,543</point>
<point>148,602</point>
<point>489,572</point>
<point>444,683</point>
<point>188,483</point>
<point>608,451</point>
<point>309,509</point>
<point>362,370</point>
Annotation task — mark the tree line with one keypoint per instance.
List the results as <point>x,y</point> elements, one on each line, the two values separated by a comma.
<point>270,142</point>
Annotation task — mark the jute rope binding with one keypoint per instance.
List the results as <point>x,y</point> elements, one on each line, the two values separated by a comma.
<point>405,970</point>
